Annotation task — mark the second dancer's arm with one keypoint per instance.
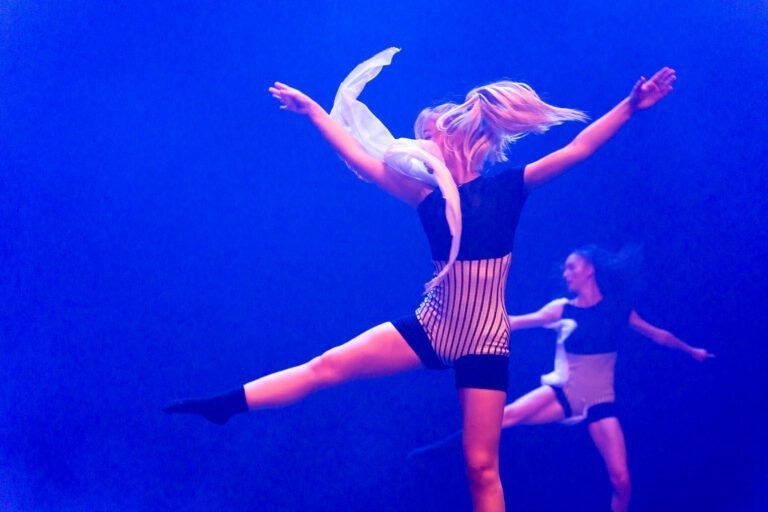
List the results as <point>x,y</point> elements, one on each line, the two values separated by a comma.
<point>666,338</point>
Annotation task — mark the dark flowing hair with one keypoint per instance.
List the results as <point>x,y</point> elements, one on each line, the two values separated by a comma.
<point>618,274</point>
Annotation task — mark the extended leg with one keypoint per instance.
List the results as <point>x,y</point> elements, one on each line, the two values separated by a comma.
<point>377,352</point>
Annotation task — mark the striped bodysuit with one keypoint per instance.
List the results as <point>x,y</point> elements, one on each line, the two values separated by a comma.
<point>465,313</point>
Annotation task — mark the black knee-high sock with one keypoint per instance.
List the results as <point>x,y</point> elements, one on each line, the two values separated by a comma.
<point>217,409</point>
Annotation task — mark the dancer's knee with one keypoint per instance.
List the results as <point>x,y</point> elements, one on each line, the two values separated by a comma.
<point>621,482</point>
<point>482,468</point>
<point>326,369</point>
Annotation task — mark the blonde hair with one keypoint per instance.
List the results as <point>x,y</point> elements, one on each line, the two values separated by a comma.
<point>491,118</point>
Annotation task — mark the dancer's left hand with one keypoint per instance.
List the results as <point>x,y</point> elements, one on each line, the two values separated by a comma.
<point>646,93</point>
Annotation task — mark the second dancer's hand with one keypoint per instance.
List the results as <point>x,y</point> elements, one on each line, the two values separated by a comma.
<point>701,354</point>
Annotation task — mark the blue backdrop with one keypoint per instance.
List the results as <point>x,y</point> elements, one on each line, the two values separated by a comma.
<point>167,231</point>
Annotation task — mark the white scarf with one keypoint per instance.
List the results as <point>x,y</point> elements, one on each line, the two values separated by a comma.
<point>406,156</point>
<point>559,376</point>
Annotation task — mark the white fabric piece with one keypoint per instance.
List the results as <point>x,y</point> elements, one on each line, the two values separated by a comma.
<point>559,376</point>
<point>406,156</point>
<point>354,115</point>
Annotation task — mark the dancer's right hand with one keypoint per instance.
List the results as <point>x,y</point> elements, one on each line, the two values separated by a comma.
<point>701,354</point>
<point>293,99</point>
<point>646,93</point>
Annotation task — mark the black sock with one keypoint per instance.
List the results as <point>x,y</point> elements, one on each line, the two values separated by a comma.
<point>217,409</point>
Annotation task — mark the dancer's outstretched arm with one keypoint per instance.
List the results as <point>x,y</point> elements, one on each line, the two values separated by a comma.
<point>552,312</point>
<point>645,94</point>
<point>666,338</point>
<point>372,169</point>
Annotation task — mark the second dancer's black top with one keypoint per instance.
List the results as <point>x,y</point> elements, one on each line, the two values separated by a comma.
<point>600,327</point>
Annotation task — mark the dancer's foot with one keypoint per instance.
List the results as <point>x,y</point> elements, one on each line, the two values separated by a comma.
<point>216,409</point>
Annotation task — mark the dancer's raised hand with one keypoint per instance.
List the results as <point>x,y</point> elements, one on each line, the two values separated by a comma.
<point>293,99</point>
<point>646,93</point>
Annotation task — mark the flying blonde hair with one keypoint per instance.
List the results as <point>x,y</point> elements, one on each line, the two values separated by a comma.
<point>491,118</point>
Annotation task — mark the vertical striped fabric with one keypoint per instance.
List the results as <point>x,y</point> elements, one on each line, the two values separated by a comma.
<point>465,314</point>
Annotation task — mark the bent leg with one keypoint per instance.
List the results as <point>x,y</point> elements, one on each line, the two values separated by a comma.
<point>482,411</point>
<point>609,440</point>
<point>534,408</point>
<point>377,352</point>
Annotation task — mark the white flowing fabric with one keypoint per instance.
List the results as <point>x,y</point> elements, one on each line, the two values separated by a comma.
<point>559,375</point>
<point>406,156</point>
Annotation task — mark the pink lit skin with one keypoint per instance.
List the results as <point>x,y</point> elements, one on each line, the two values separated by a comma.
<point>511,109</point>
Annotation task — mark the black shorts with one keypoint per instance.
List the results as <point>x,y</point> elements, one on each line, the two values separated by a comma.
<point>472,370</point>
<point>595,413</point>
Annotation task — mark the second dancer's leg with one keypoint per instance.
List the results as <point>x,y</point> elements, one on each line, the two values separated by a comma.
<point>533,408</point>
<point>609,440</point>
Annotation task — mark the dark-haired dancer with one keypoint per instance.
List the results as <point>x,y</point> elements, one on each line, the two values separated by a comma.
<point>581,388</point>
<point>461,322</point>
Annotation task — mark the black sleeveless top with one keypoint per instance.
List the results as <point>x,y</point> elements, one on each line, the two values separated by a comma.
<point>490,210</point>
<point>600,327</point>
<point>465,313</point>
